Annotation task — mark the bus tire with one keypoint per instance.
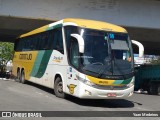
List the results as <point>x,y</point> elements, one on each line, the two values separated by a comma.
<point>23,77</point>
<point>18,76</point>
<point>58,88</point>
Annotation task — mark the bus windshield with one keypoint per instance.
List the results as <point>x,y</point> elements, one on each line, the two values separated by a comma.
<point>105,53</point>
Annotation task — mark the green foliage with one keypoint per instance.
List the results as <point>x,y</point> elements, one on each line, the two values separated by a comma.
<point>6,53</point>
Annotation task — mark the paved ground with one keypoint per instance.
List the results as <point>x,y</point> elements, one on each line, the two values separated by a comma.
<point>30,97</point>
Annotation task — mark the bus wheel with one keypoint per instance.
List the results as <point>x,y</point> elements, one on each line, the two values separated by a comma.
<point>58,88</point>
<point>23,77</point>
<point>18,76</point>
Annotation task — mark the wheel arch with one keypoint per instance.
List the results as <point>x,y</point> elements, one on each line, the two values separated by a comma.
<point>62,78</point>
<point>18,69</point>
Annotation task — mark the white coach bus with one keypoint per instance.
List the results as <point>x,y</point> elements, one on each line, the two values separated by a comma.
<point>83,58</point>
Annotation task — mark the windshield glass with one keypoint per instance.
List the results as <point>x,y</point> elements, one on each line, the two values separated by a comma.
<point>122,62</point>
<point>105,53</point>
<point>96,56</point>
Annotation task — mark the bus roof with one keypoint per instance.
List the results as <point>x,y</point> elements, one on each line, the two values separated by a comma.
<point>96,25</point>
<point>79,22</point>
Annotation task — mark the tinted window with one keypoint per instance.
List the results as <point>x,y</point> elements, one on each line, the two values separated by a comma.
<point>58,41</point>
<point>42,41</point>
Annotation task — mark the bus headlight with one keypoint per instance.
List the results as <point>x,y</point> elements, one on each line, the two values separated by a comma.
<point>87,82</point>
<point>131,83</point>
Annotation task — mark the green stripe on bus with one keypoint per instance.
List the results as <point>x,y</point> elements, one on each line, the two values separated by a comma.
<point>57,26</point>
<point>44,63</point>
<point>37,63</point>
<point>127,81</point>
<point>54,27</point>
<point>116,82</point>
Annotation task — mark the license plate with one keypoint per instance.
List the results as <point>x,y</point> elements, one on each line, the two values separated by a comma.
<point>111,94</point>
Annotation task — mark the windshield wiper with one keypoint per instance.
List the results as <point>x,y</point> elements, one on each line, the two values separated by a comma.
<point>89,70</point>
<point>103,69</point>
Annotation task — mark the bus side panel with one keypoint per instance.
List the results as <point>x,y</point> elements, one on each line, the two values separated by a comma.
<point>24,60</point>
<point>56,65</point>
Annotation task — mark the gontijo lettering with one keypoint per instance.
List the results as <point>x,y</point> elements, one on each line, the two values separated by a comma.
<point>25,56</point>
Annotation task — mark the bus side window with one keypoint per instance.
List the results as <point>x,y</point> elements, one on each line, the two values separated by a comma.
<point>58,41</point>
<point>33,43</point>
<point>24,44</point>
<point>43,41</point>
<point>51,39</point>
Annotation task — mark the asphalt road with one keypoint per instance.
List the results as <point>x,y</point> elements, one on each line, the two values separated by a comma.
<point>15,96</point>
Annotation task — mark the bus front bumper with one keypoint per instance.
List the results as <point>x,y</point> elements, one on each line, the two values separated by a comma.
<point>94,93</point>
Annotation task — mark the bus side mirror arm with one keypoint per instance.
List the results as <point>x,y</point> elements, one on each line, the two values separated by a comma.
<point>140,46</point>
<point>80,42</point>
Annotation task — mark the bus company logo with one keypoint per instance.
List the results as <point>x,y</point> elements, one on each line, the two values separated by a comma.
<point>57,59</point>
<point>103,82</point>
<point>25,56</point>
<point>71,88</point>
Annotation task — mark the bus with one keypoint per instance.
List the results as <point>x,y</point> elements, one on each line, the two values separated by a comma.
<point>79,57</point>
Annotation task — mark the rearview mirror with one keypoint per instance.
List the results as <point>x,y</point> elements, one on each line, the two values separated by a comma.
<point>140,46</point>
<point>80,42</point>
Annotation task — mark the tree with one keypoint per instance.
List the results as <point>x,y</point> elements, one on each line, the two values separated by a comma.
<point>6,54</point>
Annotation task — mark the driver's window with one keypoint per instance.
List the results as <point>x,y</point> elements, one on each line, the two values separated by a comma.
<point>74,56</point>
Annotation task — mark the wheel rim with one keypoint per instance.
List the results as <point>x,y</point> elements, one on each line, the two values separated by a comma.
<point>60,87</point>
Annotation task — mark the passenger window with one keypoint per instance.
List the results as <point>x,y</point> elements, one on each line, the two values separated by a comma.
<point>58,41</point>
<point>48,40</point>
<point>42,41</point>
